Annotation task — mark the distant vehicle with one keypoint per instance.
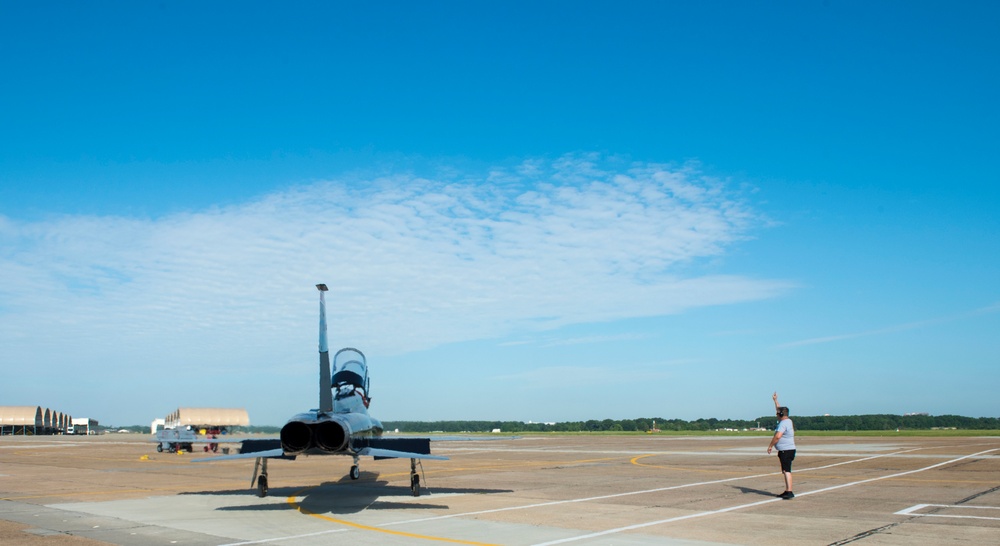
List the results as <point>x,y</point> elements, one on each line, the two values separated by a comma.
<point>340,425</point>
<point>173,440</point>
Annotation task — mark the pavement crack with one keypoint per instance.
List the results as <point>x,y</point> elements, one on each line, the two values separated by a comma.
<point>866,534</point>
<point>977,495</point>
<point>884,528</point>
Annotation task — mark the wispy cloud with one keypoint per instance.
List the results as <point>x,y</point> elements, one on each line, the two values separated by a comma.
<point>412,262</point>
<point>895,328</point>
<point>563,378</point>
<point>583,340</point>
<point>634,336</point>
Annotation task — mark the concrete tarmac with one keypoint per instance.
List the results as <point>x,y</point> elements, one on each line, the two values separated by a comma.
<point>536,490</point>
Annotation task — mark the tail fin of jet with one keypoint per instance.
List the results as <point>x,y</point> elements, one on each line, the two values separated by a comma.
<point>325,381</point>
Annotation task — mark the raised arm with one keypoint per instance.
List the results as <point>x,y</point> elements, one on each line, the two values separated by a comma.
<point>777,433</point>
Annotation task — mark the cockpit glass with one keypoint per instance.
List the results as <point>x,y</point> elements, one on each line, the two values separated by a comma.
<point>350,369</point>
<point>353,367</point>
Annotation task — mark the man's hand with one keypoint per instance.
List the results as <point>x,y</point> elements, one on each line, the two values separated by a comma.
<point>774,441</point>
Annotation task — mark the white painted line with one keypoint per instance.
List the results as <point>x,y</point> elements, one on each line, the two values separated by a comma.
<point>752,504</point>
<point>630,493</point>
<point>896,475</point>
<point>906,511</point>
<point>571,501</point>
<point>266,540</point>
<point>616,495</point>
<point>912,511</point>
<point>660,522</point>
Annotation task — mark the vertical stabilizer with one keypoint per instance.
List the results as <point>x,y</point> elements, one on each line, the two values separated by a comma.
<point>325,386</point>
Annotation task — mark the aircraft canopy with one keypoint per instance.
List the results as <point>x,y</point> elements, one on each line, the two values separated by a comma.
<point>350,368</point>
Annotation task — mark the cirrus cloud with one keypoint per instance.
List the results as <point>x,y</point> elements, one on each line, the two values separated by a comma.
<point>413,262</point>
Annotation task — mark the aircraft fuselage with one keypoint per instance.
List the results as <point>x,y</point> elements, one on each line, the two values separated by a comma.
<point>318,433</point>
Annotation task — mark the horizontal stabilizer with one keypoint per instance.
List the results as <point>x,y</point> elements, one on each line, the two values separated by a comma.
<point>395,448</point>
<point>254,445</point>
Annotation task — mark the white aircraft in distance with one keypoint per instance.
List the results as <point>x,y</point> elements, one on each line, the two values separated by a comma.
<point>340,426</point>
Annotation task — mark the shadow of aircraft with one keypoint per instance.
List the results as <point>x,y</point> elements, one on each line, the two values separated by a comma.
<point>347,496</point>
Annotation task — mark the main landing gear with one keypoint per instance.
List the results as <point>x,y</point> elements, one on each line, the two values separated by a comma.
<point>414,478</point>
<point>261,480</point>
<point>260,476</point>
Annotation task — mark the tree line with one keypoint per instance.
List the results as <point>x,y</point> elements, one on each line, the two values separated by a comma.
<point>823,422</point>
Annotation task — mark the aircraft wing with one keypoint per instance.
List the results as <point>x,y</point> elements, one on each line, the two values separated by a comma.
<point>380,448</point>
<point>269,454</point>
<point>379,453</point>
<point>365,452</point>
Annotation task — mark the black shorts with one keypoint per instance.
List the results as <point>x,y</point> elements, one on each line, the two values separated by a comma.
<point>786,457</point>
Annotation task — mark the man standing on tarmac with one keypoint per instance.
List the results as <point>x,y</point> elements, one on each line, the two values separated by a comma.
<point>784,440</point>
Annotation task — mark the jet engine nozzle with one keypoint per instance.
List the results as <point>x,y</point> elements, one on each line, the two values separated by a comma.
<point>296,437</point>
<point>330,435</point>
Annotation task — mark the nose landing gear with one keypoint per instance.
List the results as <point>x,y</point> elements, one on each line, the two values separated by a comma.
<point>355,469</point>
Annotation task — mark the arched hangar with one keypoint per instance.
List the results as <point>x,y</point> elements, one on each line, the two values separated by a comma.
<point>32,420</point>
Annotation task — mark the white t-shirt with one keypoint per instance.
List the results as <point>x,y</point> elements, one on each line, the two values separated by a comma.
<point>787,440</point>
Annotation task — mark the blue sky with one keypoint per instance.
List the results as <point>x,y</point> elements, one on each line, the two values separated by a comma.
<point>525,211</point>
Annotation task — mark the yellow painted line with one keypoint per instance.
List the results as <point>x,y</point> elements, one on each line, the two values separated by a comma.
<point>292,501</point>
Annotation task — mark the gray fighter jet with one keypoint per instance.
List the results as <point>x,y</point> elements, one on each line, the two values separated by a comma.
<point>340,426</point>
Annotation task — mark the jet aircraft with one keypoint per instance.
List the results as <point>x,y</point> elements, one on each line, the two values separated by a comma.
<point>340,425</point>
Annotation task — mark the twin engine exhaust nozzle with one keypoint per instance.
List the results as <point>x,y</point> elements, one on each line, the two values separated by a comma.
<point>328,435</point>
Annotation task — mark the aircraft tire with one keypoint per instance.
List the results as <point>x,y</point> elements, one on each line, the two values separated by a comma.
<point>415,485</point>
<point>262,486</point>
<point>159,448</point>
<point>355,472</point>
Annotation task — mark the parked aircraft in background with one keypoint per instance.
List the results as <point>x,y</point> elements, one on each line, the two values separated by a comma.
<point>340,425</point>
